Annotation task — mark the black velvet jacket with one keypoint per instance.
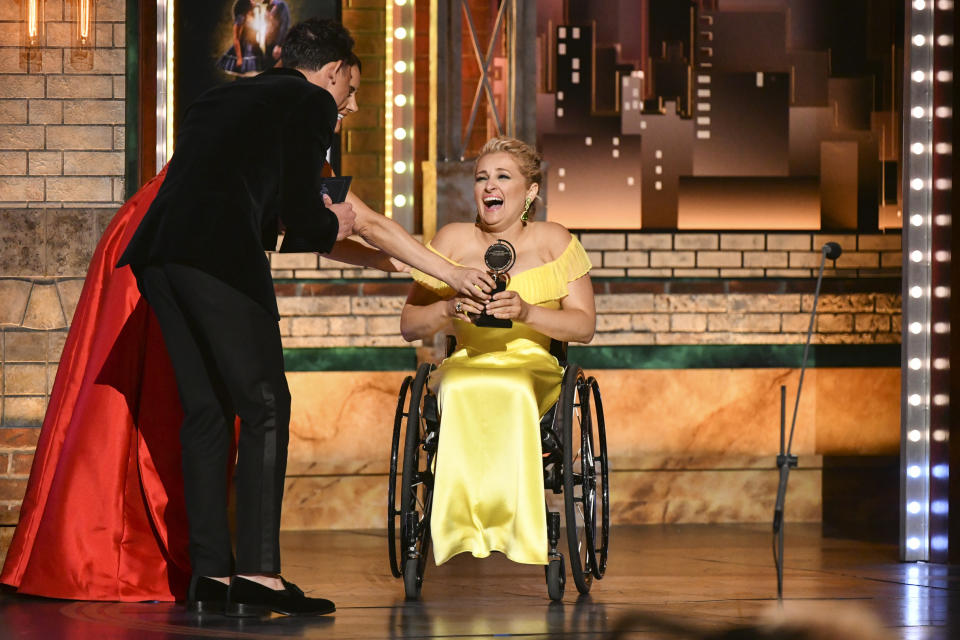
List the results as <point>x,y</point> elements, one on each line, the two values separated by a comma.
<point>247,153</point>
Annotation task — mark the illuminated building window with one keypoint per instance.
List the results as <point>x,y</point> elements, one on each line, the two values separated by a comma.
<point>561,186</point>
<point>636,93</point>
<point>636,105</point>
<point>703,106</point>
<point>562,49</point>
<point>658,170</point>
<point>575,77</point>
<point>703,120</point>
<point>616,141</point>
<point>562,32</point>
<point>703,79</point>
<point>630,181</point>
<point>615,153</point>
<point>658,154</point>
<point>643,124</point>
<point>703,134</point>
<point>759,78</point>
<point>560,95</point>
<point>588,141</point>
<point>575,63</point>
<point>576,33</point>
<point>559,112</point>
<point>703,93</point>
<point>658,185</point>
<point>561,172</point>
<point>626,105</point>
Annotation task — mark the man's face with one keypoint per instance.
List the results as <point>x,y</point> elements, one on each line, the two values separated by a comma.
<point>340,88</point>
<point>350,104</point>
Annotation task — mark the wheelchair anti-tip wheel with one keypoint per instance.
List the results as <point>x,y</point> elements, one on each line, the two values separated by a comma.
<point>585,477</point>
<point>410,491</point>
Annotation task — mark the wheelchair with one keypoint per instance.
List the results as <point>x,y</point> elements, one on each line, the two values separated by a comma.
<point>575,464</point>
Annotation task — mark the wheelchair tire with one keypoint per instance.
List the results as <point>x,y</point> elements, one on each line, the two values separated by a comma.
<point>601,545</point>
<point>579,510</point>
<point>412,581</point>
<point>416,488</point>
<point>394,492</point>
<point>556,579</point>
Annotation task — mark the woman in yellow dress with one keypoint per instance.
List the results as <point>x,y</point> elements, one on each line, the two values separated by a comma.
<point>488,490</point>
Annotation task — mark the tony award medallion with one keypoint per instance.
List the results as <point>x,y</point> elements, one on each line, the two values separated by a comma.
<point>499,258</point>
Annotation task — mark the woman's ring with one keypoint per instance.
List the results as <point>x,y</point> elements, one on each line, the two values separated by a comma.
<point>459,307</point>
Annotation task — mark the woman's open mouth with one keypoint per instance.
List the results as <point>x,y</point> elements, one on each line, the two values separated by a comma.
<point>492,203</point>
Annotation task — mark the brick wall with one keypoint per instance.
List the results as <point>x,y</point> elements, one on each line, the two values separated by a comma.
<point>363,131</point>
<point>62,128</point>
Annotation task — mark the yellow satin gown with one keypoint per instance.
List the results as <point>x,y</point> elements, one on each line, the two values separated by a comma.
<point>493,390</point>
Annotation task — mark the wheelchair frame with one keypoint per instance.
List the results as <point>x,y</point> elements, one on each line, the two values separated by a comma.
<point>580,473</point>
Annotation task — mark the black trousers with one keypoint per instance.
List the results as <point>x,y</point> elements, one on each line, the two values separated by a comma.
<point>228,360</point>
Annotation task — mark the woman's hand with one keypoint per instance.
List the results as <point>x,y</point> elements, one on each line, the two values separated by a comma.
<point>508,304</point>
<point>463,308</point>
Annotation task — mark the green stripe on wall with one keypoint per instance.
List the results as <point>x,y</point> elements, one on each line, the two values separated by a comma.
<point>734,356</point>
<point>714,356</point>
<point>351,359</point>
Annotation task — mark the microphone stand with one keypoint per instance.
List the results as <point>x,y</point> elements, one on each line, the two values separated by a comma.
<point>786,460</point>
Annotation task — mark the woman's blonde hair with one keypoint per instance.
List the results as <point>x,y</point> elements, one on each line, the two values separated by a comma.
<point>526,157</point>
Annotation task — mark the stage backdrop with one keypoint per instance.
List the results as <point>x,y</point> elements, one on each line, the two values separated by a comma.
<point>210,34</point>
<point>721,114</point>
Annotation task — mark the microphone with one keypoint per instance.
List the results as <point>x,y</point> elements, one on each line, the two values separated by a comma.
<point>786,459</point>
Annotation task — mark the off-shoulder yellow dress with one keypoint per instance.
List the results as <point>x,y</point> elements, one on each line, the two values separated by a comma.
<point>493,390</point>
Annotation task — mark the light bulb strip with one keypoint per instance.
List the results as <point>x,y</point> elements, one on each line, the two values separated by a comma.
<point>399,112</point>
<point>917,284</point>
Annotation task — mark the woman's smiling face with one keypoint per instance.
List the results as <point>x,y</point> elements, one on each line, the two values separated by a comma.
<point>499,189</point>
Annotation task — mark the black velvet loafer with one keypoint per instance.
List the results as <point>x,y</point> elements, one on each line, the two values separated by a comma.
<point>247,598</point>
<point>206,595</point>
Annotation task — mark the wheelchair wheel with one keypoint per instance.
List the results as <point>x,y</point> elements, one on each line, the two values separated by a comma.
<point>393,493</point>
<point>602,475</point>
<point>410,499</point>
<point>556,578</point>
<point>579,475</point>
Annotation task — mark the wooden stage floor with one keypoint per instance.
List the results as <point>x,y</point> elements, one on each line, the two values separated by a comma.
<point>713,576</point>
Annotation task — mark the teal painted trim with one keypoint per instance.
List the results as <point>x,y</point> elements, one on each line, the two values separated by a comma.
<point>734,356</point>
<point>720,356</point>
<point>351,359</point>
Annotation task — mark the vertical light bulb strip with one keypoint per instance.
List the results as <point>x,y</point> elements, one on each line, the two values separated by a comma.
<point>917,284</point>
<point>388,76</point>
<point>398,161</point>
<point>162,42</point>
<point>165,59</point>
<point>170,71</point>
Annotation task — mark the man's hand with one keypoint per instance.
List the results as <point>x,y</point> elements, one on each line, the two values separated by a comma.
<point>471,282</point>
<point>345,216</point>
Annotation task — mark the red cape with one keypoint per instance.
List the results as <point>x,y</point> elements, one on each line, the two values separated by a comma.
<point>104,517</point>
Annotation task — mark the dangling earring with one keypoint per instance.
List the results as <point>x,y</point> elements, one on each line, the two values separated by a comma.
<point>526,208</point>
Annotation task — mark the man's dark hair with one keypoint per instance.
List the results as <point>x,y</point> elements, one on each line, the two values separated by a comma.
<point>315,42</point>
<point>354,61</point>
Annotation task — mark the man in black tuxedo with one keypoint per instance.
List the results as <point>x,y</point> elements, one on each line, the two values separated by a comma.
<point>248,159</point>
